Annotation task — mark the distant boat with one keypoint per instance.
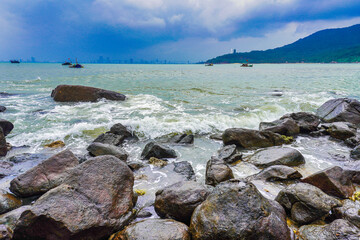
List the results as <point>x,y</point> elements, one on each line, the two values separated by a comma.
<point>209,65</point>
<point>246,65</point>
<point>14,61</point>
<point>66,63</point>
<point>76,65</point>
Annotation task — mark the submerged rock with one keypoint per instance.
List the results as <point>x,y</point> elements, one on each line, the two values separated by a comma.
<point>340,110</point>
<point>217,171</point>
<point>286,126</point>
<point>353,141</point>
<point>157,162</point>
<point>94,201</point>
<point>216,136</point>
<point>116,136</point>
<point>154,229</point>
<point>349,211</point>
<point>77,93</point>
<point>355,153</point>
<point>6,126</point>
<point>44,176</point>
<point>55,144</point>
<point>185,168</point>
<point>306,203</point>
<point>8,202</point>
<point>276,173</point>
<point>235,210</point>
<point>178,201</point>
<point>153,149</point>
<point>307,122</point>
<point>248,138</point>
<point>3,145</point>
<point>99,149</point>
<point>340,130</point>
<point>277,156</point>
<point>337,230</point>
<point>2,109</point>
<point>333,181</point>
<point>182,139</point>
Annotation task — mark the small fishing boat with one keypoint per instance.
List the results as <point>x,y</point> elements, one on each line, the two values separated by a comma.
<point>246,65</point>
<point>76,65</point>
<point>209,65</point>
<point>14,61</point>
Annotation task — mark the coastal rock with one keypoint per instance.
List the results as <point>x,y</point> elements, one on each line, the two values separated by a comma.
<point>235,210</point>
<point>340,110</point>
<point>157,162</point>
<point>5,232</point>
<point>185,168</point>
<point>6,126</point>
<point>178,201</point>
<point>276,173</point>
<point>99,149</point>
<point>55,144</point>
<point>44,176</point>
<point>337,230</point>
<point>307,122</point>
<point>116,136</point>
<point>154,229</point>
<point>94,201</point>
<point>217,171</point>
<point>277,156</point>
<point>353,141</point>
<point>216,136</point>
<point>77,93</point>
<point>8,202</point>
<point>333,181</point>
<point>2,109</point>
<point>229,154</point>
<point>349,211</point>
<point>286,126</point>
<point>340,130</point>
<point>135,165</point>
<point>248,138</point>
<point>153,149</point>
<point>182,139</point>
<point>10,218</point>
<point>306,203</point>
<point>3,145</point>
<point>355,153</point>
<point>24,157</point>
<point>5,168</point>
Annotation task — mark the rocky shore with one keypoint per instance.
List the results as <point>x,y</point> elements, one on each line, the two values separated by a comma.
<point>92,196</point>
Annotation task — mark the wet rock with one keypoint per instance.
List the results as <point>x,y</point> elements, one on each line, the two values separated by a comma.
<point>183,139</point>
<point>28,157</point>
<point>135,165</point>
<point>216,136</point>
<point>306,203</point>
<point>77,93</point>
<point>178,201</point>
<point>217,171</point>
<point>120,129</point>
<point>157,162</point>
<point>307,122</point>
<point>153,149</point>
<point>8,202</point>
<point>5,232</point>
<point>3,146</point>
<point>154,229</point>
<point>340,110</point>
<point>143,214</point>
<point>2,109</point>
<point>277,156</point>
<point>116,136</point>
<point>10,218</point>
<point>353,141</point>
<point>235,210</point>
<point>333,181</point>
<point>355,153</point>
<point>349,211</point>
<point>44,176</point>
<point>340,130</point>
<point>337,230</point>
<point>55,144</point>
<point>5,168</point>
<point>94,201</point>
<point>353,174</point>
<point>228,153</point>
<point>6,126</point>
<point>5,94</point>
<point>277,173</point>
<point>286,126</point>
<point>99,149</point>
<point>248,138</point>
<point>185,168</point>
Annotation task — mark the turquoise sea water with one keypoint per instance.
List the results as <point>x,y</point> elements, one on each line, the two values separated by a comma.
<point>164,99</point>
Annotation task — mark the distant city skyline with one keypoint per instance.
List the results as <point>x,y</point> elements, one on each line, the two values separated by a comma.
<point>146,30</point>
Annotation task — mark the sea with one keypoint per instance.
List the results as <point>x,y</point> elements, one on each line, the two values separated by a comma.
<point>167,99</point>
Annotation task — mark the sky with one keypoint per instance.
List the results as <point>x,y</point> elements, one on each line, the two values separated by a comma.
<point>173,30</point>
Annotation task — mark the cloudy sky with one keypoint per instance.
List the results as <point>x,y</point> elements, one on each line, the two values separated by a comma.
<point>176,30</point>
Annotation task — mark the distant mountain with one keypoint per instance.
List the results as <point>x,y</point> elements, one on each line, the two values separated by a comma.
<point>339,45</point>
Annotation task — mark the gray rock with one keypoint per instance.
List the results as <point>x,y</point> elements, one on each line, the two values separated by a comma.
<point>349,211</point>
<point>185,168</point>
<point>355,153</point>
<point>217,171</point>
<point>24,157</point>
<point>178,201</point>
<point>156,150</point>
<point>340,110</point>
<point>235,210</point>
<point>248,138</point>
<point>3,145</point>
<point>337,230</point>
<point>227,152</point>
<point>353,141</point>
<point>277,156</point>
<point>307,122</point>
<point>154,229</point>
<point>135,165</point>
<point>110,138</point>
<point>99,149</point>
<point>2,109</point>
<point>8,202</point>
<point>6,126</point>
<point>306,203</point>
<point>340,130</point>
<point>276,173</point>
<point>5,168</point>
<point>286,126</point>
<point>182,139</point>
<point>216,136</point>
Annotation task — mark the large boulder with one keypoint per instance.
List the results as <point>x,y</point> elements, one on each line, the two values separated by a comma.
<point>3,145</point>
<point>217,171</point>
<point>178,201</point>
<point>6,126</point>
<point>307,122</point>
<point>333,181</point>
<point>340,130</point>
<point>286,126</point>
<point>95,200</point>
<point>77,93</point>
<point>350,210</point>
<point>44,176</point>
<point>276,173</point>
<point>235,210</point>
<point>337,230</point>
<point>277,156</point>
<point>156,150</point>
<point>340,110</point>
<point>8,202</point>
<point>99,149</point>
<point>306,203</point>
<point>154,229</point>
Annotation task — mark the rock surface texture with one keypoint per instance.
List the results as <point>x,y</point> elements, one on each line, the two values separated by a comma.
<point>340,110</point>
<point>217,171</point>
